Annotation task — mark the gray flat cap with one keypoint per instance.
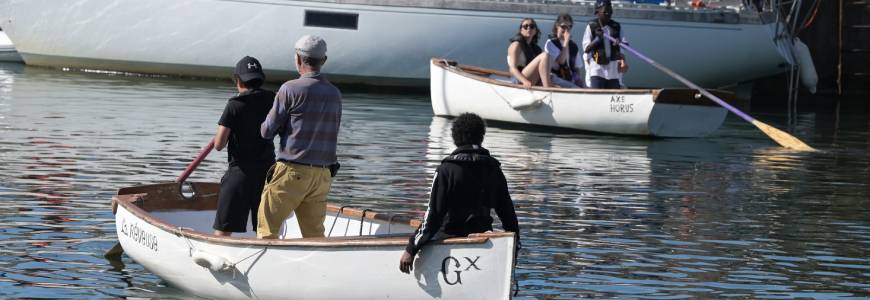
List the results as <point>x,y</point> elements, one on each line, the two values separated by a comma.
<point>311,46</point>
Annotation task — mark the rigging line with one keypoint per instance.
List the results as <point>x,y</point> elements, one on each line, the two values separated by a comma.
<point>812,16</point>
<point>249,256</point>
<point>180,232</point>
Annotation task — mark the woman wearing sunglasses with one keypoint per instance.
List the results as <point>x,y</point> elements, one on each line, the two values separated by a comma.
<point>527,63</point>
<point>563,54</point>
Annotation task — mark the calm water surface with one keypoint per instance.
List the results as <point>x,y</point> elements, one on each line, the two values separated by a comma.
<point>730,215</point>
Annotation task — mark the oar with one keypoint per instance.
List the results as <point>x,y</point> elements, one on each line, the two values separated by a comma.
<point>195,163</point>
<point>116,250</point>
<point>779,136</point>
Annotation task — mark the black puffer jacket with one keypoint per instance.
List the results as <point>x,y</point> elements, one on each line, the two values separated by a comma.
<point>468,185</point>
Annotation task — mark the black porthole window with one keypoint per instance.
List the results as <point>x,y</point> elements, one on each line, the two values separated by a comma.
<point>327,19</point>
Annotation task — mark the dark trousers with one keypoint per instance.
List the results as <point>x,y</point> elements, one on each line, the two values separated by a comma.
<point>598,82</point>
<point>239,197</point>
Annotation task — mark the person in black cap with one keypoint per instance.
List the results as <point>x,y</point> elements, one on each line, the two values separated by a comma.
<point>250,155</point>
<point>604,62</point>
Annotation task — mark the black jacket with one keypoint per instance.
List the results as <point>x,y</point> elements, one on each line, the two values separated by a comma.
<point>468,185</point>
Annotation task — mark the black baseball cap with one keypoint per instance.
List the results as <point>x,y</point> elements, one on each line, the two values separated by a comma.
<point>603,3</point>
<point>249,68</point>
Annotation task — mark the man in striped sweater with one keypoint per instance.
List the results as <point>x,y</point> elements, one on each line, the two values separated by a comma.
<point>306,114</point>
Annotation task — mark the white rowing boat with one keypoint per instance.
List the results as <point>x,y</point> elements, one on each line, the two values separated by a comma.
<point>170,235</point>
<point>457,89</point>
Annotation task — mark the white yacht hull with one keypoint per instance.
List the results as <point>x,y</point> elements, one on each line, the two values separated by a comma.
<point>391,44</point>
<point>7,50</point>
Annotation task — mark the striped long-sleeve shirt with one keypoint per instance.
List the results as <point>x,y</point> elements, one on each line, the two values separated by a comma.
<point>306,115</point>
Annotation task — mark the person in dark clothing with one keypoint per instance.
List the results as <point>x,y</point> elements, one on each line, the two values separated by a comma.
<point>467,186</point>
<point>250,155</point>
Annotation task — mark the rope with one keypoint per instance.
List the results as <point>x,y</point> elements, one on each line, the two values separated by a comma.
<point>233,265</point>
<point>180,232</point>
<point>335,219</point>
<point>361,219</point>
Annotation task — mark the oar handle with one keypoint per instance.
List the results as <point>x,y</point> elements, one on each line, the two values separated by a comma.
<point>683,80</point>
<point>195,163</point>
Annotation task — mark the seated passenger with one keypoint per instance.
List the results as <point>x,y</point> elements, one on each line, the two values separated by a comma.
<point>526,60</point>
<point>564,64</point>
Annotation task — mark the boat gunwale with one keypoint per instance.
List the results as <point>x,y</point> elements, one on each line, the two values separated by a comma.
<point>475,72</point>
<point>129,203</point>
<point>680,96</point>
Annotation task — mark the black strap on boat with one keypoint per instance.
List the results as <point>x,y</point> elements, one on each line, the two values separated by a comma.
<point>514,268</point>
<point>340,209</point>
<point>361,219</point>
<point>390,223</point>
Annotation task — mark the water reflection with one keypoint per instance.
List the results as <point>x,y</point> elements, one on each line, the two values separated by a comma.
<point>731,215</point>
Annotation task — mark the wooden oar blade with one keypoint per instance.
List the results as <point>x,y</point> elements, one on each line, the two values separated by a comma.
<point>782,137</point>
<point>115,252</point>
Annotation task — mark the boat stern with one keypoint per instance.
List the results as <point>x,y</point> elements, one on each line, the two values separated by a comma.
<point>437,88</point>
<point>686,113</point>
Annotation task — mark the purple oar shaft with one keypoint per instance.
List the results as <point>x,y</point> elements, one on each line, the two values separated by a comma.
<point>195,162</point>
<point>684,80</point>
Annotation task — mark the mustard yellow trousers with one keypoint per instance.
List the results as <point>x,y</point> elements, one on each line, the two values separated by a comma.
<point>293,188</point>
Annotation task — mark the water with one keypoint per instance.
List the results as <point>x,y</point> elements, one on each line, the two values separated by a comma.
<point>731,215</point>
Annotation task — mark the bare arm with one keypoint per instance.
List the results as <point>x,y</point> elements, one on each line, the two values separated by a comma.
<point>513,55</point>
<point>221,137</point>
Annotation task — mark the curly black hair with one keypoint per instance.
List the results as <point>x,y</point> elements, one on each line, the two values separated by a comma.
<point>468,129</point>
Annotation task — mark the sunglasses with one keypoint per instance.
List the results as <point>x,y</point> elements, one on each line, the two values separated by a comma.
<point>529,26</point>
<point>566,26</point>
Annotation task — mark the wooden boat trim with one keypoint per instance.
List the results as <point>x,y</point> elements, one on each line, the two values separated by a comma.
<point>666,95</point>
<point>134,203</point>
<point>478,73</point>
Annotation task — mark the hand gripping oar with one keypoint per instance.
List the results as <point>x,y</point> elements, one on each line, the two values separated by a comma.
<point>779,136</point>
<point>117,249</point>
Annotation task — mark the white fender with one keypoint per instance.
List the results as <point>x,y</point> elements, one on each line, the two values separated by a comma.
<point>210,261</point>
<point>530,102</point>
<point>809,78</point>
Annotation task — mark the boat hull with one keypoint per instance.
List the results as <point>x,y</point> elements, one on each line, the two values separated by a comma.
<point>7,50</point>
<point>391,44</point>
<point>455,90</point>
<point>346,267</point>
